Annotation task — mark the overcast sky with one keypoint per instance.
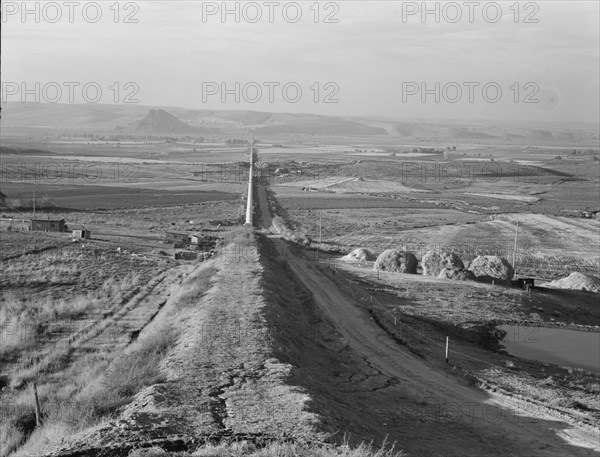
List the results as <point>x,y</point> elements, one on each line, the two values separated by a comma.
<point>372,56</point>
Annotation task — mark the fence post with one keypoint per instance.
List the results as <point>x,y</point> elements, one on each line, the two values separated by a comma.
<point>447,340</point>
<point>38,418</point>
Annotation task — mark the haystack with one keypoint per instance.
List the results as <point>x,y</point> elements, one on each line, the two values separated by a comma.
<point>433,263</point>
<point>456,273</point>
<point>490,268</point>
<point>359,255</point>
<point>575,281</point>
<point>397,261</point>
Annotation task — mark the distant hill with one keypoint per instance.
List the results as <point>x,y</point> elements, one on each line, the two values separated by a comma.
<point>159,121</point>
<point>146,120</point>
<point>309,124</point>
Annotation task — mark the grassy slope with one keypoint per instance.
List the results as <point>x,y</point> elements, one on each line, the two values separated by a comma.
<point>220,381</point>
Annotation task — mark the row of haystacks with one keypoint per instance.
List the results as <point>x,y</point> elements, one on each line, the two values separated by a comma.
<point>448,265</point>
<point>444,265</point>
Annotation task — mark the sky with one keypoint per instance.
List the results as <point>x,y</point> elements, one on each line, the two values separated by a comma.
<point>503,60</point>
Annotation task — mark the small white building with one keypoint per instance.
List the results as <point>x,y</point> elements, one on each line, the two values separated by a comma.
<point>81,234</point>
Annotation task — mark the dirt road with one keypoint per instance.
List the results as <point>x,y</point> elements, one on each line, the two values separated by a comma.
<point>419,384</point>
<point>263,204</point>
<point>378,389</point>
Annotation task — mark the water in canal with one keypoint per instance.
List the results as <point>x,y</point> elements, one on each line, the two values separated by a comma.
<point>571,348</point>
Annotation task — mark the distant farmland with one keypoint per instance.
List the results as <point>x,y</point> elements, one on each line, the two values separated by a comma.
<point>94,197</point>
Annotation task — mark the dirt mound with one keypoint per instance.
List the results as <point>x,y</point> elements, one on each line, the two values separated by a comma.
<point>576,281</point>
<point>397,261</point>
<point>457,273</point>
<point>490,268</point>
<point>359,255</point>
<point>433,263</point>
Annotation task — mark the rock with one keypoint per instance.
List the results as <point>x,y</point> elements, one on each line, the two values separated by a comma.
<point>359,255</point>
<point>433,263</point>
<point>396,261</point>
<point>488,268</point>
<point>459,274</point>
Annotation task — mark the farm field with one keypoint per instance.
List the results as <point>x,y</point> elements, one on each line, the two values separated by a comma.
<point>66,314</point>
<point>120,333</point>
<point>340,229</point>
<point>96,197</point>
<point>554,244</point>
<point>373,204</point>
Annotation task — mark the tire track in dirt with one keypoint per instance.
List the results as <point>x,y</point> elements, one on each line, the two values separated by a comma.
<point>404,408</point>
<point>115,328</point>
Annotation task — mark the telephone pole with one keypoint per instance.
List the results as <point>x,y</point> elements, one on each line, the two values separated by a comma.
<point>320,234</point>
<point>514,259</point>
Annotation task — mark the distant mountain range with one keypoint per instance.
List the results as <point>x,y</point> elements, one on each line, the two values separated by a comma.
<point>138,119</point>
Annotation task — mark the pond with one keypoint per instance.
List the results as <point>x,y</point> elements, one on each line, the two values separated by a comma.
<point>564,347</point>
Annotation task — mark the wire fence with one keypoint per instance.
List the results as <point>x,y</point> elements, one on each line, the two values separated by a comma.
<point>361,295</point>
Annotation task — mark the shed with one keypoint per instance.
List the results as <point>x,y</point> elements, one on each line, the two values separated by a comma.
<point>173,237</point>
<point>84,234</point>
<point>526,283</point>
<point>48,225</point>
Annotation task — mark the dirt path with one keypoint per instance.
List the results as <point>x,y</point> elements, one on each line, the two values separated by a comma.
<point>411,406</point>
<point>416,385</point>
<point>263,203</point>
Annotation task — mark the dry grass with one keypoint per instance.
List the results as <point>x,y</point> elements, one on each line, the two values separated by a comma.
<point>194,287</point>
<point>79,388</point>
<point>26,318</point>
<point>45,300</point>
<point>278,449</point>
<point>101,399</point>
<point>126,376</point>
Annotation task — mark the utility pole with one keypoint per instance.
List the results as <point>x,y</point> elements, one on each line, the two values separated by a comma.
<point>514,259</point>
<point>320,233</point>
<point>33,217</point>
<point>320,227</point>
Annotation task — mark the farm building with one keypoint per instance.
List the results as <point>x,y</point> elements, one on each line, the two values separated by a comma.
<point>84,234</point>
<point>177,237</point>
<point>48,225</point>
<point>204,242</point>
<point>525,283</point>
<point>186,255</point>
